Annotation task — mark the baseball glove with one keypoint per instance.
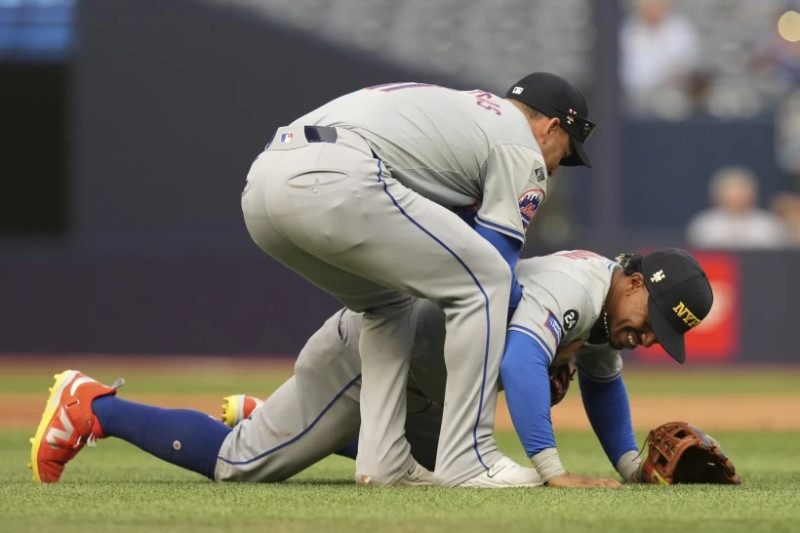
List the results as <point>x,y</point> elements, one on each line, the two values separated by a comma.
<point>681,453</point>
<point>560,377</point>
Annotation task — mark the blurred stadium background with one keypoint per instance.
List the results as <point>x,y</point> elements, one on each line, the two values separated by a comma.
<point>127,128</point>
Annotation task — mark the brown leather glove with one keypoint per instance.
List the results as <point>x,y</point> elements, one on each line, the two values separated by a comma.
<point>678,452</point>
<point>560,378</point>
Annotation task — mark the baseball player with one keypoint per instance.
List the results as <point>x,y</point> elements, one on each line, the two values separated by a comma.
<point>571,299</point>
<point>362,197</point>
<point>636,302</point>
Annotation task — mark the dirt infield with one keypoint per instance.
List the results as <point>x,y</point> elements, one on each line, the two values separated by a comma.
<point>710,413</point>
<point>717,412</point>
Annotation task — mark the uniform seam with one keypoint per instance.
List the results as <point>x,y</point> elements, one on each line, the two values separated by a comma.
<point>486,307</point>
<point>535,336</point>
<point>511,232</point>
<point>339,324</point>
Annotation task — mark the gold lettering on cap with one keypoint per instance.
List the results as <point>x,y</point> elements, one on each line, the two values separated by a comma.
<point>686,315</point>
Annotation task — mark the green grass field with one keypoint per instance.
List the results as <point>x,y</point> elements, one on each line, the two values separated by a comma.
<point>667,380</point>
<point>117,488</point>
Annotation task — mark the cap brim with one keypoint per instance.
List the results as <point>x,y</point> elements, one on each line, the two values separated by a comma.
<point>578,156</point>
<point>672,341</point>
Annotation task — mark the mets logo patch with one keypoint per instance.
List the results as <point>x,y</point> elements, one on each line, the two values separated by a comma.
<point>529,203</point>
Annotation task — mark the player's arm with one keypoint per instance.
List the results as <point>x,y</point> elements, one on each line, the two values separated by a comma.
<point>511,197</point>
<point>605,400</point>
<point>524,374</point>
<point>523,371</point>
<point>509,248</point>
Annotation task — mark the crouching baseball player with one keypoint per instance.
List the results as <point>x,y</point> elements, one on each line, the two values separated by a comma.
<point>571,299</point>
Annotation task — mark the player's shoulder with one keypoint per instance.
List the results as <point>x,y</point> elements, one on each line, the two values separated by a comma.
<point>576,280</point>
<point>580,265</point>
<point>512,128</point>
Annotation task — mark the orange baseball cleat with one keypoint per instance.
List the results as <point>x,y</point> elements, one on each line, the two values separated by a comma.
<point>67,425</point>
<point>238,407</point>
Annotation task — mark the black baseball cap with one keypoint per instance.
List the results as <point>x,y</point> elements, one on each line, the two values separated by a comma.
<point>554,97</point>
<point>680,297</point>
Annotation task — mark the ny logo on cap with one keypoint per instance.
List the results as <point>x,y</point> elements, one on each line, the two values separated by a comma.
<point>570,117</point>
<point>658,276</point>
<point>686,315</point>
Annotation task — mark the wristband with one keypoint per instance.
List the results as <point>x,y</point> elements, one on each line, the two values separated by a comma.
<point>548,464</point>
<point>628,466</point>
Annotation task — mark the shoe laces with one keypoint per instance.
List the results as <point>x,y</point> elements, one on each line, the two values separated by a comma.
<point>91,440</point>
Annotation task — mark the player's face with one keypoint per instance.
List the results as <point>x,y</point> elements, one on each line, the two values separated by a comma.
<point>628,322</point>
<point>554,142</point>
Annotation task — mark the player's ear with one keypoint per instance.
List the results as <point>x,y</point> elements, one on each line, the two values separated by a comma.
<point>636,281</point>
<point>552,125</point>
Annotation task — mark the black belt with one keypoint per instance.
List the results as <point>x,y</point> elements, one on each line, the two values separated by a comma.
<point>324,134</point>
<point>320,134</point>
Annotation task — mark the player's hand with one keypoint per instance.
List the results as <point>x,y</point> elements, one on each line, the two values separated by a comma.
<point>566,352</point>
<point>579,480</point>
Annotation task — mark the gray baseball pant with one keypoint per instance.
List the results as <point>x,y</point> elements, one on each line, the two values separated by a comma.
<point>316,412</point>
<point>332,213</point>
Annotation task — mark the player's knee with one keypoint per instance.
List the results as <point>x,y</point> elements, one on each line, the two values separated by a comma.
<point>493,284</point>
<point>306,368</point>
<point>392,308</point>
<point>496,278</point>
<point>324,373</point>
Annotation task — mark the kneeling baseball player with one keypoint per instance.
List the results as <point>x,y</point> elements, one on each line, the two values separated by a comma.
<point>571,300</point>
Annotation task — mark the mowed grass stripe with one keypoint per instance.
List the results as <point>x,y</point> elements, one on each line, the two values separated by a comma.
<point>260,376</point>
<point>118,488</point>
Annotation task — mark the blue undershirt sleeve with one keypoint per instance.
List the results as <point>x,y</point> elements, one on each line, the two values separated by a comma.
<point>527,385</point>
<point>609,412</point>
<point>509,248</point>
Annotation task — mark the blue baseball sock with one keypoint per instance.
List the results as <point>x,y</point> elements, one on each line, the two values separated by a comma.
<point>189,439</point>
<point>351,450</point>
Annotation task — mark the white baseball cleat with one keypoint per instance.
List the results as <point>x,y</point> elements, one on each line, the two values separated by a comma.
<point>417,476</point>
<point>504,474</point>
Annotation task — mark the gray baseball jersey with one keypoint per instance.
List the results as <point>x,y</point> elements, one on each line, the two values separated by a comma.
<point>564,303</point>
<point>316,412</point>
<point>487,157</point>
<point>365,211</point>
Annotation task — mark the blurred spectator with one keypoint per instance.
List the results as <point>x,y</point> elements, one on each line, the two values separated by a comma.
<point>735,220</point>
<point>659,51</point>
<point>777,52</point>
<point>787,122</point>
<point>786,206</point>
<point>698,90</point>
